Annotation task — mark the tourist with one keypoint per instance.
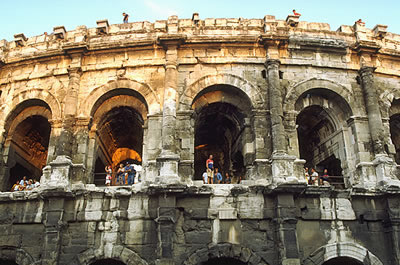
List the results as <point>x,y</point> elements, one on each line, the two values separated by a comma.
<point>325,178</point>
<point>15,187</point>
<point>307,175</point>
<point>121,175</point>
<point>227,178</point>
<point>205,177</point>
<point>108,175</point>
<point>295,13</point>
<point>218,176</point>
<point>314,177</point>
<point>210,169</point>
<point>126,17</point>
<point>131,172</point>
<point>360,22</point>
<point>23,181</point>
<point>36,183</point>
<point>30,185</point>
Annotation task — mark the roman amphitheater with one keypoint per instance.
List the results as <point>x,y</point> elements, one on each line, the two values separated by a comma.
<point>266,97</point>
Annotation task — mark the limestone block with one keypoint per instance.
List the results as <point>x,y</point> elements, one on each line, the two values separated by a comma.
<point>327,209</point>
<point>251,206</point>
<point>209,22</point>
<point>227,214</point>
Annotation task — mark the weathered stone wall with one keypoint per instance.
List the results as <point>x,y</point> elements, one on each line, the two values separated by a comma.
<point>262,74</point>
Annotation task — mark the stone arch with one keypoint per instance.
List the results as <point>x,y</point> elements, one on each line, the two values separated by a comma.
<point>387,97</point>
<point>343,249</point>
<point>225,250</point>
<point>18,255</point>
<point>34,94</point>
<point>257,99</point>
<point>120,253</point>
<point>298,89</point>
<point>143,89</point>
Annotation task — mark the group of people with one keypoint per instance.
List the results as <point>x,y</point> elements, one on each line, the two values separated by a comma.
<point>125,175</point>
<point>314,178</point>
<point>25,184</point>
<point>213,176</point>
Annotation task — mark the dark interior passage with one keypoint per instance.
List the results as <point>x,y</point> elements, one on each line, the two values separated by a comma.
<point>120,137</point>
<point>108,262</point>
<point>395,134</point>
<point>7,262</point>
<point>342,261</point>
<point>218,131</point>
<point>314,127</point>
<point>28,149</point>
<point>223,261</point>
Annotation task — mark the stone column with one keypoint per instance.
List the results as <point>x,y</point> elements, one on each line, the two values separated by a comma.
<point>374,115</point>
<point>283,167</point>
<point>58,173</point>
<point>168,159</point>
<point>166,216</point>
<point>53,225</point>
<point>384,165</point>
<point>286,221</point>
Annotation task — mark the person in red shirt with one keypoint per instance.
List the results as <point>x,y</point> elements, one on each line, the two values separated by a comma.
<point>295,13</point>
<point>210,169</point>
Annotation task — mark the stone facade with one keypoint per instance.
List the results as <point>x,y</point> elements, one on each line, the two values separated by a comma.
<point>265,96</point>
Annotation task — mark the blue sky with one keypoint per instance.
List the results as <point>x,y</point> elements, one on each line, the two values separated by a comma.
<point>35,17</point>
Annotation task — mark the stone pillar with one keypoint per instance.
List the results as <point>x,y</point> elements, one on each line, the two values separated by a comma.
<point>286,221</point>
<point>168,159</point>
<point>58,172</point>
<point>384,165</point>
<point>166,216</point>
<point>394,226</point>
<point>374,115</point>
<point>283,165</point>
<point>53,229</point>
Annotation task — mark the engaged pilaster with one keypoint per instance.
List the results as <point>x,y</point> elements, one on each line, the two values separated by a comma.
<point>283,166</point>
<point>384,165</point>
<point>169,158</point>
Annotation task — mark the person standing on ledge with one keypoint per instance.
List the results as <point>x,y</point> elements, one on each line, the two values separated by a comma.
<point>210,169</point>
<point>295,13</point>
<point>126,17</point>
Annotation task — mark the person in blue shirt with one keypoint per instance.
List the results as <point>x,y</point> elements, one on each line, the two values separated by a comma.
<point>130,170</point>
<point>218,177</point>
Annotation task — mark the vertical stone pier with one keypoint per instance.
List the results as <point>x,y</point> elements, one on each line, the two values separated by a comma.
<point>168,157</point>
<point>282,164</point>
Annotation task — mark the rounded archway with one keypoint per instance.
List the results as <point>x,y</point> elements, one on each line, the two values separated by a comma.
<point>321,125</point>
<point>117,128</point>
<point>342,261</point>
<point>223,261</point>
<point>220,121</point>
<point>27,142</point>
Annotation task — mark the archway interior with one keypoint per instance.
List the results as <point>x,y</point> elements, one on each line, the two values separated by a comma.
<point>120,138</point>
<point>316,143</point>
<point>7,262</point>
<point>223,261</point>
<point>28,148</point>
<point>395,134</point>
<point>218,131</point>
<point>342,261</point>
<point>108,262</point>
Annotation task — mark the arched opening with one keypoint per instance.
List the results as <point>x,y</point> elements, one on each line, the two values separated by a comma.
<point>27,142</point>
<point>342,261</point>
<point>223,261</point>
<point>221,111</point>
<point>320,128</point>
<point>107,262</point>
<point>117,131</point>
<point>120,140</point>
<point>7,262</point>
<point>395,135</point>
